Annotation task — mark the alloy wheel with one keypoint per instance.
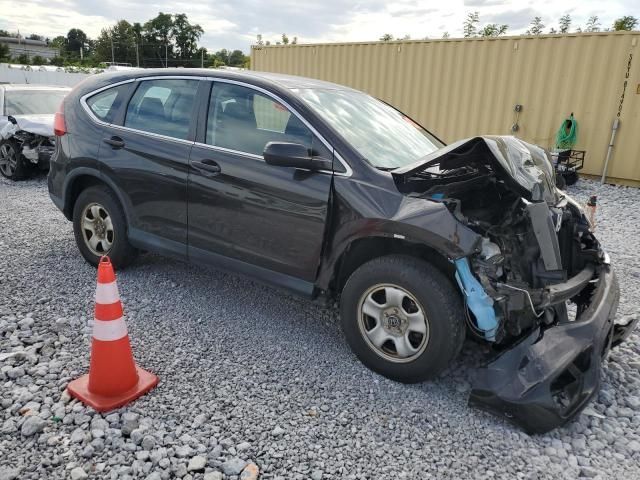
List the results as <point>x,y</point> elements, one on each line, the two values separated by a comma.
<point>393,323</point>
<point>97,229</point>
<point>8,159</point>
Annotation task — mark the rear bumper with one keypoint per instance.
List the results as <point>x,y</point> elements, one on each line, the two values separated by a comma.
<point>549,376</point>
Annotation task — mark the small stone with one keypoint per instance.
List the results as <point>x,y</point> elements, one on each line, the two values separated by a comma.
<point>154,476</point>
<point>589,472</point>
<point>316,475</point>
<point>196,464</point>
<point>276,432</point>
<point>78,435</point>
<point>136,436</point>
<point>129,426</point>
<point>233,466</point>
<point>148,442</point>
<point>250,472</point>
<point>32,425</point>
<point>241,447</point>
<point>213,476</point>
<point>88,451</point>
<point>7,473</point>
<point>78,474</point>
<point>633,446</point>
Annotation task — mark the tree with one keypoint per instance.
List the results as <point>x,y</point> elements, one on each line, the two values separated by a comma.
<point>185,35</point>
<point>4,53</point>
<point>59,42</point>
<point>122,38</point>
<point>565,23</point>
<point>23,59</point>
<point>57,61</point>
<point>38,60</point>
<point>536,26</point>
<point>285,39</point>
<point>35,36</point>
<point>236,59</point>
<point>294,41</point>
<point>470,26</point>
<point>387,37</point>
<point>593,24</point>
<point>493,30</point>
<point>445,35</point>
<point>76,39</point>
<point>625,23</point>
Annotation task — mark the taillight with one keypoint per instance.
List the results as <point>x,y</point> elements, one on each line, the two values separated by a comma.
<point>59,125</point>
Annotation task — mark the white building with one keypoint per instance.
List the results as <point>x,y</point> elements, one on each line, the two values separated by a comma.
<point>30,48</point>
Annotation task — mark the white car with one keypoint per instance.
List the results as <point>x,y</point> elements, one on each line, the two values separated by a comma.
<point>26,127</point>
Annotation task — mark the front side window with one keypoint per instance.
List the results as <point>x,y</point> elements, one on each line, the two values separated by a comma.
<point>32,102</point>
<point>385,137</point>
<point>162,106</point>
<point>105,104</point>
<point>245,120</point>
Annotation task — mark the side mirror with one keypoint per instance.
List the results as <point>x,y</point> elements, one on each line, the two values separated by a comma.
<point>286,154</point>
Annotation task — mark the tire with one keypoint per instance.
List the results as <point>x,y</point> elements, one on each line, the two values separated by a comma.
<point>109,233</point>
<point>12,164</point>
<point>561,183</point>
<point>426,289</point>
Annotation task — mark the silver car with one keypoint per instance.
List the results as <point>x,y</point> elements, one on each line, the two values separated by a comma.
<point>26,127</point>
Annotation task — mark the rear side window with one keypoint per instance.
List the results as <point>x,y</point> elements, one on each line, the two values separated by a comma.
<point>163,107</point>
<point>106,104</point>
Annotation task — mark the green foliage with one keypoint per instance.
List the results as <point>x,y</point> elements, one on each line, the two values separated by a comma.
<point>38,60</point>
<point>23,59</point>
<point>387,37</point>
<point>536,26</point>
<point>625,23</point>
<point>565,23</point>
<point>493,30</point>
<point>470,26</point>
<point>185,36</point>
<point>35,36</point>
<point>593,24</point>
<point>57,61</point>
<point>76,39</point>
<point>285,39</point>
<point>4,53</point>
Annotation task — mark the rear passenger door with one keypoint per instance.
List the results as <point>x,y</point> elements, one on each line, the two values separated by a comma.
<point>270,218</point>
<point>145,152</point>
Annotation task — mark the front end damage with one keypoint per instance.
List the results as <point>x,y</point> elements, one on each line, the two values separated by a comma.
<point>34,137</point>
<point>538,286</point>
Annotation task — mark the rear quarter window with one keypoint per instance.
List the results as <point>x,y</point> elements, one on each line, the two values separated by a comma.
<point>107,103</point>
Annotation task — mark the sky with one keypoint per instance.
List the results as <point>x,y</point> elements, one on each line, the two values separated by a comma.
<point>234,24</point>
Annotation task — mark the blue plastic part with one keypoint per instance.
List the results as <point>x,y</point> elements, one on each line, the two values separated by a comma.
<point>437,196</point>
<point>478,301</point>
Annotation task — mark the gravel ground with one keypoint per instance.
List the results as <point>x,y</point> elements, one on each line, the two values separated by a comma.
<point>253,379</point>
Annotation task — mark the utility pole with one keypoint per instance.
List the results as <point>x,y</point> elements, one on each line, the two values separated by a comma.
<point>81,54</point>
<point>113,55</point>
<point>202,58</point>
<point>137,56</point>
<point>166,55</point>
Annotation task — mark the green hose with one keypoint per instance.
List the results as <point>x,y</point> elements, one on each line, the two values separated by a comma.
<point>566,137</point>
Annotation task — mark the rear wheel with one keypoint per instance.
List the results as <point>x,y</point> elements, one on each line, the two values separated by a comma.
<point>402,318</point>
<point>100,228</point>
<point>12,163</point>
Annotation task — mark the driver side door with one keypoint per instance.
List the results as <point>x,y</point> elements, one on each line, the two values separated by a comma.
<point>266,220</point>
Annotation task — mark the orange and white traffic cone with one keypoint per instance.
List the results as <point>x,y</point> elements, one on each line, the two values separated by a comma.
<point>114,379</point>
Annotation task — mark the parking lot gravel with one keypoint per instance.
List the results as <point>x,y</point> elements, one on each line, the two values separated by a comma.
<point>255,382</point>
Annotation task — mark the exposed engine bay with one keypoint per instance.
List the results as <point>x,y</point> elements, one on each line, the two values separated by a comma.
<point>537,269</point>
<point>33,135</point>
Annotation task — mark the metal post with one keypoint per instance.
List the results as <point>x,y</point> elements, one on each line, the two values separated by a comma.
<point>166,55</point>
<point>616,124</point>
<point>81,53</point>
<point>113,55</point>
<point>202,58</point>
<point>137,56</point>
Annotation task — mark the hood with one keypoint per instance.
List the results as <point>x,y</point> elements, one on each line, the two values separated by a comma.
<point>524,166</point>
<point>41,124</point>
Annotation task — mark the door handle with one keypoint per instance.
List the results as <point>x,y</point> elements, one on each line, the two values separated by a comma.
<point>115,142</point>
<point>207,166</point>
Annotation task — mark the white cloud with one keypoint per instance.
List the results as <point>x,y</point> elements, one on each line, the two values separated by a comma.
<point>235,23</point>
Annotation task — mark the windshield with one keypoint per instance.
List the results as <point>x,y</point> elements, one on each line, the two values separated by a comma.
<point>382,135</point>
<point>32,102</point>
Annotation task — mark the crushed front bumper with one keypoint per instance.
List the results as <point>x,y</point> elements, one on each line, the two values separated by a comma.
<point>549,376</point>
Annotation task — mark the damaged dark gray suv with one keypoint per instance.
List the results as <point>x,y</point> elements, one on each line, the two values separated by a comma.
<point>337,196</point>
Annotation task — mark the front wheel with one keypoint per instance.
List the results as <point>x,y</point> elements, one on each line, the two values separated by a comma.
<point>12,163</point>
<point>402,317</point>
<point>100,227</point>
